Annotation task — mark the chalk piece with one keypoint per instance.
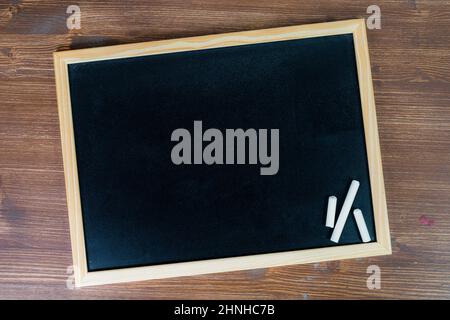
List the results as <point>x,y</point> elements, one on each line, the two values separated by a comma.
<point>331,211</point>
<point>361,225</point>
<point>345,210</point>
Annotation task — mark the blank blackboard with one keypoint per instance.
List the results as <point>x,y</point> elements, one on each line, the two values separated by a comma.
<point>133,209</point>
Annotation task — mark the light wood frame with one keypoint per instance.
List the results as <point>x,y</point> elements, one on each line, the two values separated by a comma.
<point>381,247</point>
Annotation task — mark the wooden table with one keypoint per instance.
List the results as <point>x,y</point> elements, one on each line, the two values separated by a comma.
<point>410,57</point>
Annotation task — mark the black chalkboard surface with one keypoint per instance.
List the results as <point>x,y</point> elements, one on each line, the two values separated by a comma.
<point>139,208</point>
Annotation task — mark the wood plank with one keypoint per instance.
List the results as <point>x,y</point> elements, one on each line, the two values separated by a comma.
<point>410,65</point>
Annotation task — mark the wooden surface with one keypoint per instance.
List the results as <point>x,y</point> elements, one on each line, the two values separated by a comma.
<point>410,59</point>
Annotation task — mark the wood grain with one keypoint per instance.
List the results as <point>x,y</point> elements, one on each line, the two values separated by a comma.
<point>411,73</point>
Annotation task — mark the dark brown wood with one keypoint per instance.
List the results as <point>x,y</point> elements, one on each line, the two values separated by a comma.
<point>411,69</point>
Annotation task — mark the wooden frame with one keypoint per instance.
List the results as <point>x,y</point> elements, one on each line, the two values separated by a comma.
<point>381,247</point>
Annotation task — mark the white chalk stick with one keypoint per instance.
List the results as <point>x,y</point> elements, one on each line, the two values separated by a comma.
<point>361,225</point>
<point>345,210</point>
<point>331,211</point>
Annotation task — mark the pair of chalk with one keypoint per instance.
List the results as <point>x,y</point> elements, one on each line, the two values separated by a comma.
<point>343,215</point>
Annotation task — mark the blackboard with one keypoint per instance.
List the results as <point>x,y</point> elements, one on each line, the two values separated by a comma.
<point>137,214</point>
